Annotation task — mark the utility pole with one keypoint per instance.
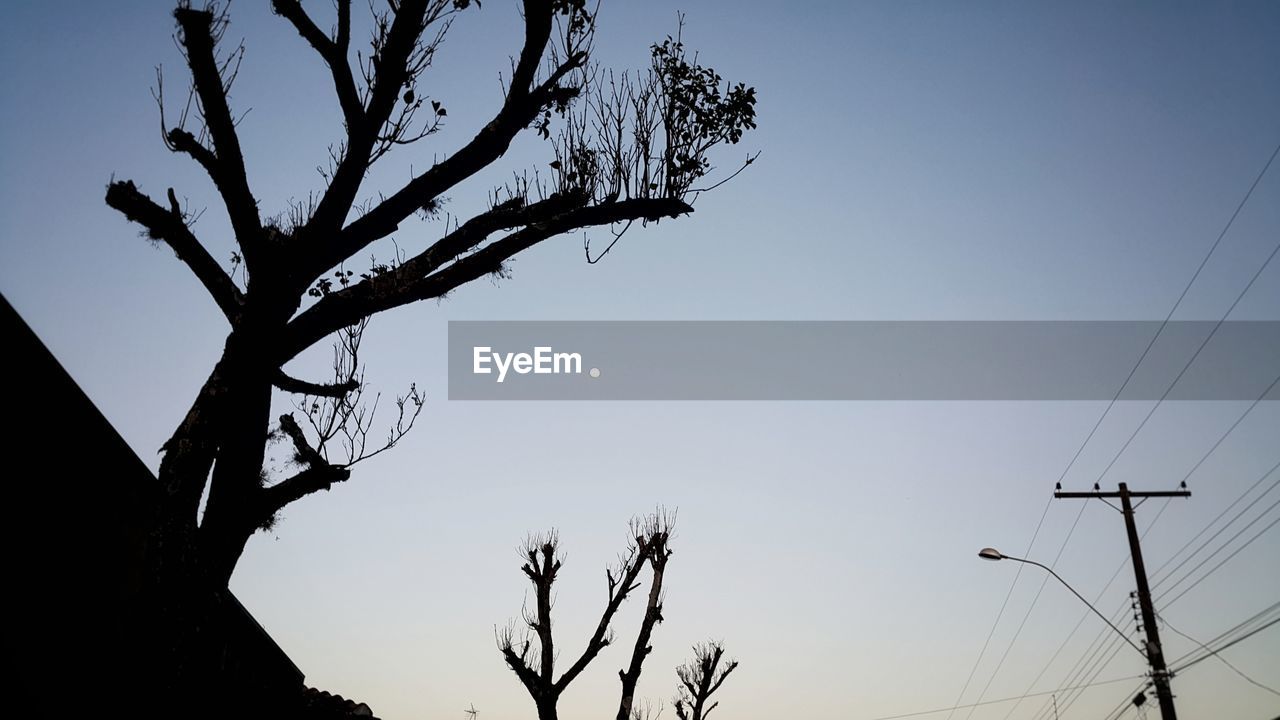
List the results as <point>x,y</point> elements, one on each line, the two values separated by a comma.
<point>1155,652</point>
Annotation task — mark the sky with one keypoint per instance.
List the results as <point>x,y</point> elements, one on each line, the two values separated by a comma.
<point>920,161</point>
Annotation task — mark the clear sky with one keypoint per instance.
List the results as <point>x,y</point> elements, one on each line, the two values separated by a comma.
<point>920,161</point>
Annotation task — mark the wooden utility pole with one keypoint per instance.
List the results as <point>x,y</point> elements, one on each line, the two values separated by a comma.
<point>1155,653</point>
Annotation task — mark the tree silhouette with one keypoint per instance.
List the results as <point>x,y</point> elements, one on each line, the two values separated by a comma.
<point>532,655</point>
<point>700,678</point>
<point>626,148</point>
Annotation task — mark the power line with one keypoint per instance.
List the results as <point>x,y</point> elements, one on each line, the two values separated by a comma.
<point>1222,529</point>
<point>1118,711</point>
<point>1177,303</point>
<point>1092,655</point>
<point>1244,200</point>
<point>1226,662</point>
<point>1234,628</point>
<point>991,633</point>
<point>1154,653</point>
<point>1182,296</point>
<point>1116,647</point>
<point>1231,429</point>
<point>1082,664</point>
<point>1240,639</point>
<point>1226,559</point>
<point>1223,546</point>
<point>1030,607</point>
<point>1102,661</point>
<point>1090,665</point>
<point>1076,674</point>
<point>1199,463</point>
<point>1101,631</point>
<point>1191,361</point>
<point>1160,330</point>
<point>1003,700</point>
<point>1067,639</point>
<point>1211,523</point>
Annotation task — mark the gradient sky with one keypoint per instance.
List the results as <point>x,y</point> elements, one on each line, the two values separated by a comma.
<point>920,161</point>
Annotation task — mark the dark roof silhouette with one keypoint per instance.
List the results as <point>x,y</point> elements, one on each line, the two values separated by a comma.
<point>325,706</point>
<point>80,514</point>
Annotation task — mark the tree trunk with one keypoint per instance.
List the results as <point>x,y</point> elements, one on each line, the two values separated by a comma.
<point>190,559</point>
<point>244,417</point>
<point>547,707</point>
<point>173,623</point>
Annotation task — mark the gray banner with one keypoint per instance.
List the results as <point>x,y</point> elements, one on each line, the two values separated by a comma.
<point>862,360</point>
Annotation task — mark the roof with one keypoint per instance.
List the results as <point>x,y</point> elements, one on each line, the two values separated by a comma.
<point>88,501</point>
<point>320,705</point>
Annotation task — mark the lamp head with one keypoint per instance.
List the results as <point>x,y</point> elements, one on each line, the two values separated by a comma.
<point>990,554</point>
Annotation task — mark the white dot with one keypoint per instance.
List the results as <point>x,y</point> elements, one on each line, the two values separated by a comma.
<point>595,372</point>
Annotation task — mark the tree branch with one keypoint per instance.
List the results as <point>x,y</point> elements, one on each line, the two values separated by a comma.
<point>170,226</point>
<point>198,39</point>
<point>291,384</point>
<point>392,63</point>
<point>391,290</point>
<point>527,676</point>
<point>619,589</point>
<point>311,480</point>
<point>699,679</point>
<point>522,105</point>
<point>656,530</point>
<point>180,140</point>
<point>190,452</point>
<point>475,231</point>
<point>319,474</point>
<point>543,578</point>
<point>733,665</point>
<point>305,453</point>
<point>332,50</point>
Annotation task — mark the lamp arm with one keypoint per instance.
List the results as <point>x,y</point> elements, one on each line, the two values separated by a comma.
<point>1086,602</point>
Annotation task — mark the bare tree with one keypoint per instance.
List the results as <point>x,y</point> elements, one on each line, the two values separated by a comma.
<point>657,528</point>
<point>700,678</point>
<point>624,149</point>
<point>646,710</point>
<point>531,654</point>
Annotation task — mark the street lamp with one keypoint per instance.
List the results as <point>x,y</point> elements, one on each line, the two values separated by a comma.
<point>994,554</point>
